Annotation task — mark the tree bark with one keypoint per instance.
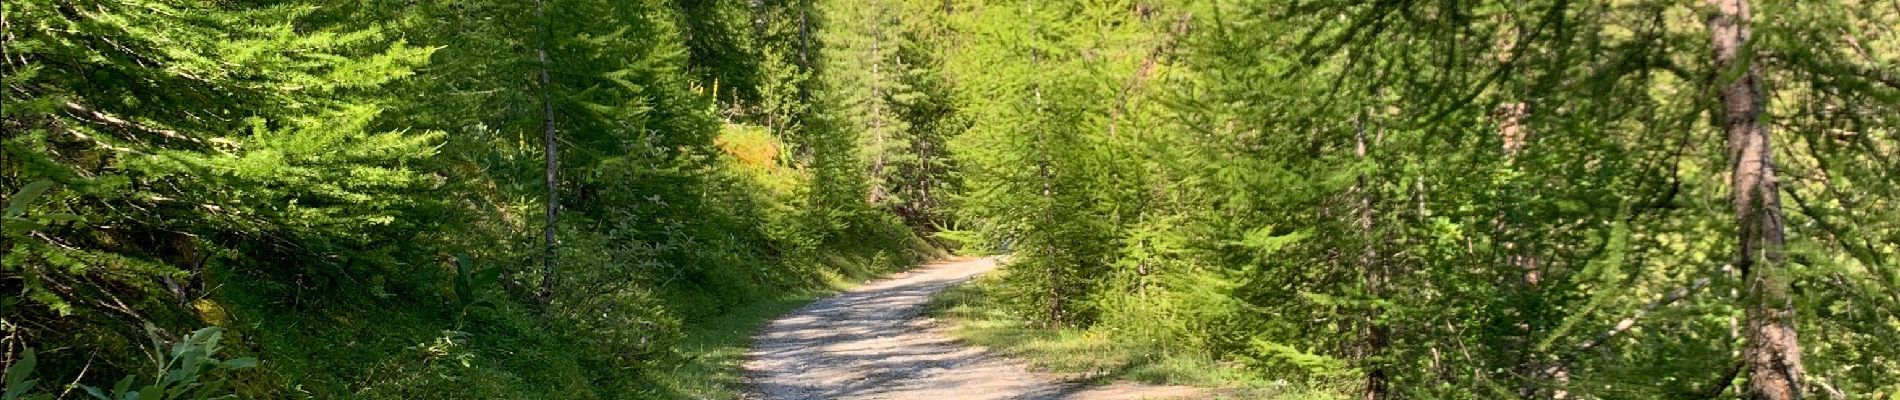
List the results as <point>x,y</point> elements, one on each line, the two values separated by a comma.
<point>802,150</point>
<point>1044,173</point>
<point>547,125</point>
<point>879,185</point>
<point>1772,355</point>
<point>1375,275</point>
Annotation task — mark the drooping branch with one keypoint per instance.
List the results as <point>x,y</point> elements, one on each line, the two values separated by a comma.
<point>1561,367</point>
<point>1630,321</point>
<point>1722,385</point>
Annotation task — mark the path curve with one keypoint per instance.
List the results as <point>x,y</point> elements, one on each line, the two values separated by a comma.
<point>874,342</point>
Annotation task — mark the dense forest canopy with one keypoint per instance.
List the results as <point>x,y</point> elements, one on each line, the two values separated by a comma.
<point>552,198</point>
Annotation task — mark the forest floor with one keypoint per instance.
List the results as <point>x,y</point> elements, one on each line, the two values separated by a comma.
<point>875,342</point>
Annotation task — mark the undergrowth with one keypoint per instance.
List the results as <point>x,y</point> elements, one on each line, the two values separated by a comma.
<point>975,314</point>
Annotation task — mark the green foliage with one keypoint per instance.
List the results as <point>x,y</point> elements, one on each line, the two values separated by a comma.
<point>181,372</point>
<point>18,371</point>
<point>181,134</point>
<point>1099,354</point>
<point>189,369</point>
<point>19,221</point>
<point>352,188</point>
<point>1460,197</point>
<point>469,282</point>
<point>883,83</point>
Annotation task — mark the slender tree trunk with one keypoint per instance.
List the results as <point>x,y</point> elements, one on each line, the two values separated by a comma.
<point>920,206</point>
<point>802,150</point>
<point>1513,133</point>
<point>1044,173</point>
<point>879,189</point>
<point>1772,355</point>
<point>1374,274</point>
<point>804,43</point>
<point>1049,250</point>
<point>547,132</point>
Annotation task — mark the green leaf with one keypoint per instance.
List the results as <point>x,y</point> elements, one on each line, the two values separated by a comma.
<point>238,363</point>
<point>96,393</point>
<point>124,385</point>
<point>20,225</point>
<point>17,373</point>
<point>487,275</point>
<point>16,204</point>
<point>61,217</point>
<point>464,288</point>
<point>14,390</point>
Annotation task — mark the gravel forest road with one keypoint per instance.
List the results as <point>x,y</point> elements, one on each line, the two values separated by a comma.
<point>874,342</point>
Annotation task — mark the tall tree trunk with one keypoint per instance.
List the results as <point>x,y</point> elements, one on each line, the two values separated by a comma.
<point>1514,134</point>
<point>1044,173</point>
<point>802,151</point>
<point>1049,249</point>
<point>547,133</point>
<point>804,45</point>
<point>1374,274</point>
<point>1772,355</point>
<point>879,185</point>
<point>918,208</point>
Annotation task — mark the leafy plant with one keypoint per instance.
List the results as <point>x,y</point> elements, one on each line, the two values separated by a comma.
<point>469,280</point>
<point>17,218</point>
<point>186,370</point>
<point>16,382</point>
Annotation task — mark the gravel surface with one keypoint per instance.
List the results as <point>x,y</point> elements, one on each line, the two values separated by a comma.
<point>874,342</point>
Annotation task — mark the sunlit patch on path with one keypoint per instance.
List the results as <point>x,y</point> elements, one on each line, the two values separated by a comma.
<point>874,342</point>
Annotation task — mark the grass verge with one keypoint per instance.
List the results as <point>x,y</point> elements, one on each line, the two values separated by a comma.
<point>714,350</point>
<point>972,316</point>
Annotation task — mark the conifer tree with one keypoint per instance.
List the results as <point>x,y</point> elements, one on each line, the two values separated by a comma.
<point>1773,354</point>
<point>176,134</point>
<point>1305,131</point>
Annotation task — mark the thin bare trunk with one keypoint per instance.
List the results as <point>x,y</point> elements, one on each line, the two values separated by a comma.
<point>804,43</point>
<point>1772,355</point>
<point>1049,250</point>
<point>878,183</point>
<point>1044,173</point>
<point>1512,130</point>
<point>547,125</point>
<point>802,151</point>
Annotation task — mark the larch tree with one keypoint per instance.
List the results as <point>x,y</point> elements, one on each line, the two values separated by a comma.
<point>1773,354</point>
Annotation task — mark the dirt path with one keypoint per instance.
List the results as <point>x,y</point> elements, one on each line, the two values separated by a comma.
<point>874,342</point>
